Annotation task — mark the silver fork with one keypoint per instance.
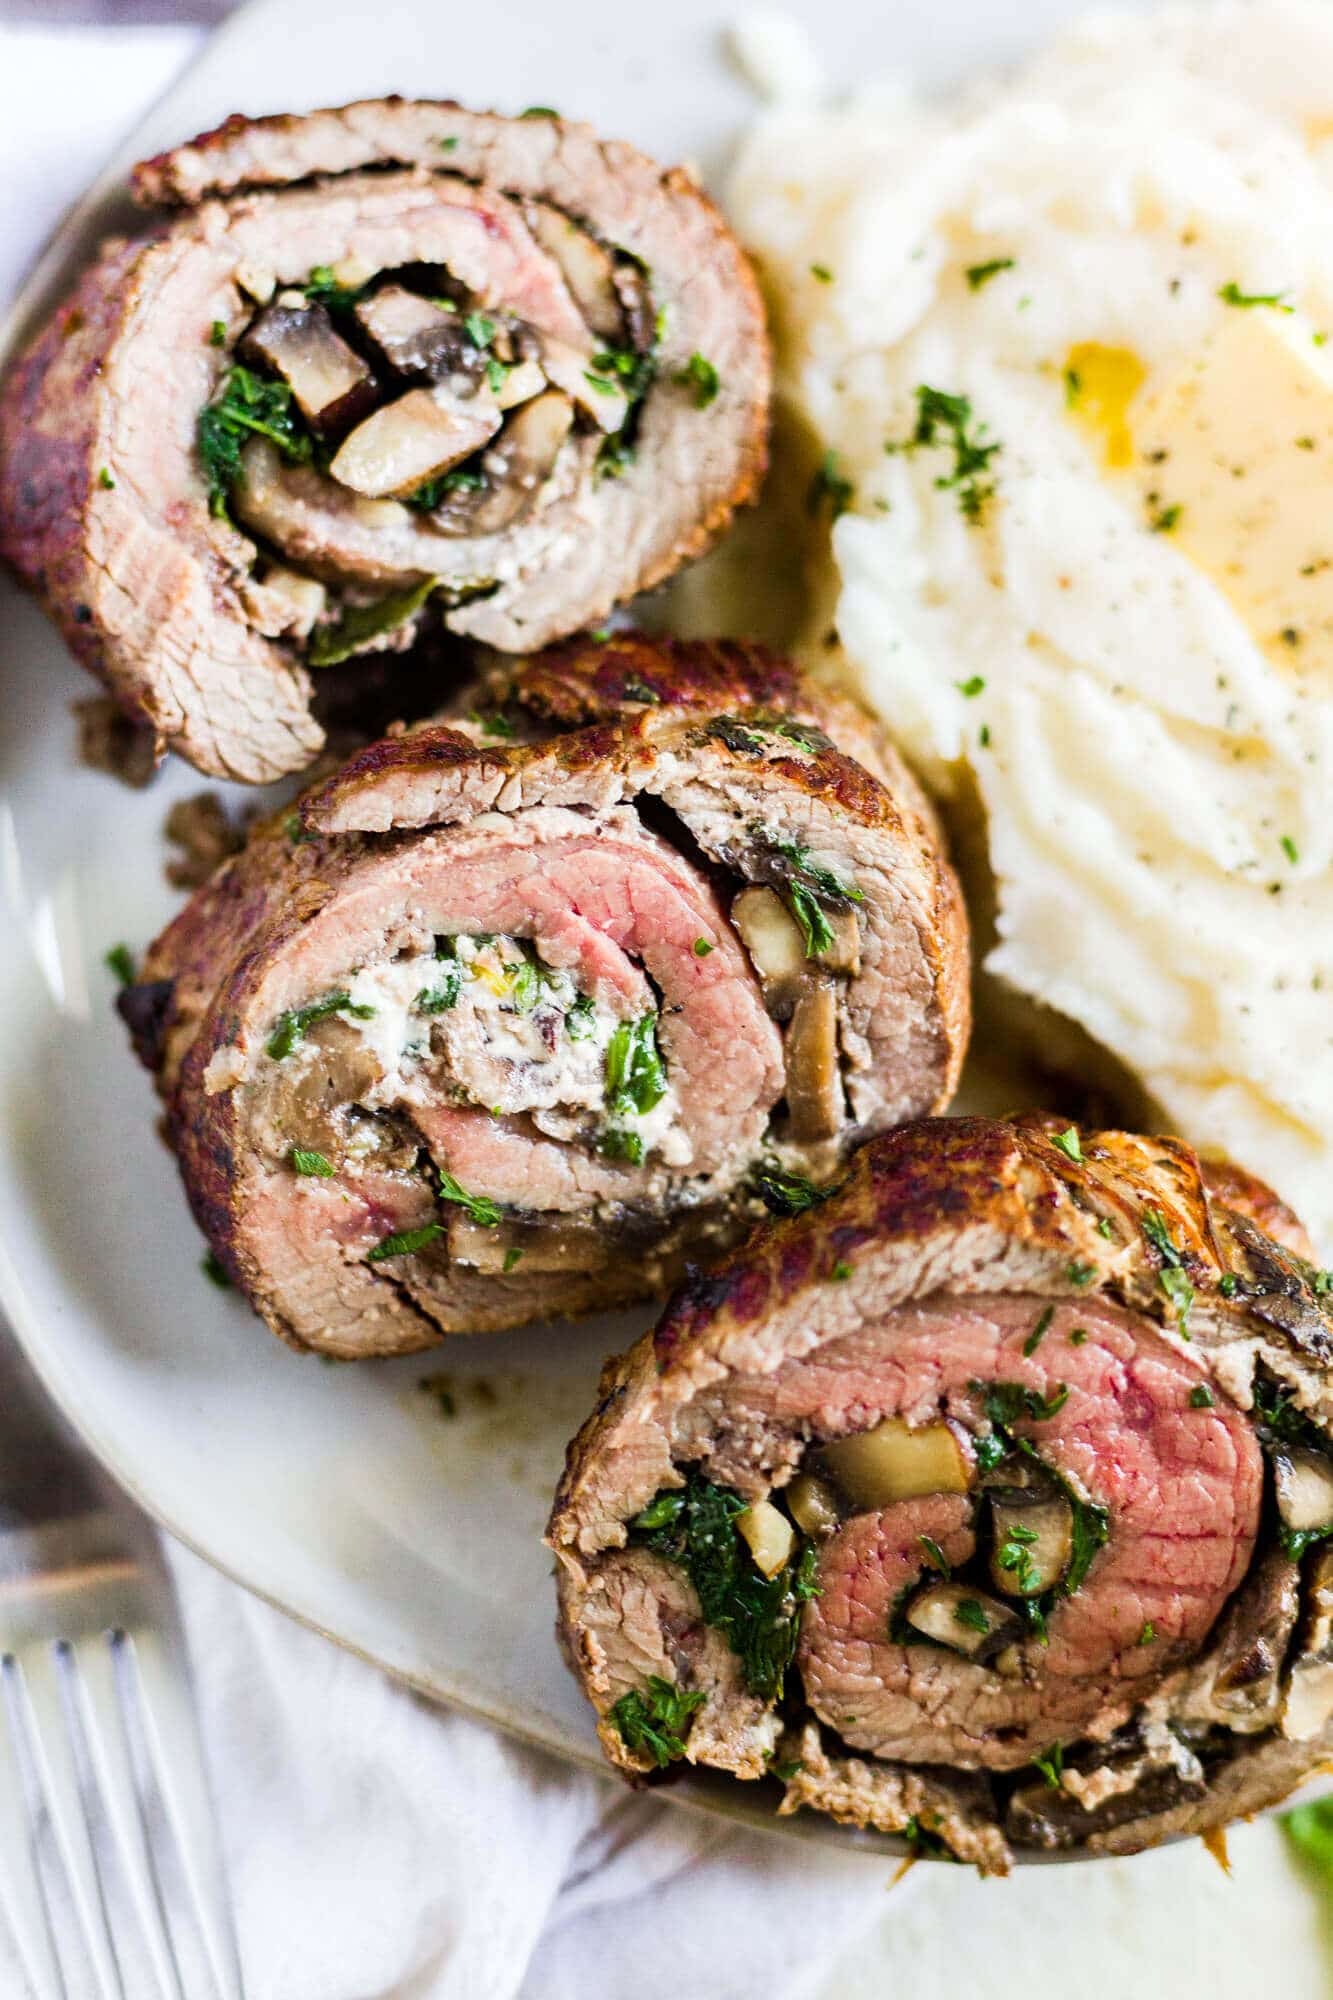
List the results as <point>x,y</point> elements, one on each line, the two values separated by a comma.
<point>111,1875</point>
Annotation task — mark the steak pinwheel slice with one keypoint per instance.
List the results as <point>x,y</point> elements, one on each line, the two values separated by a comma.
<point>989,1501</point>
<point>394,363</point>
<point>512,1015</point>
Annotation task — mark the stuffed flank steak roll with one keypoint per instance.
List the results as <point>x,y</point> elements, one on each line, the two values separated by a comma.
<point>513,1014</point>
<point>988,1501</point>
<point>365,372</point>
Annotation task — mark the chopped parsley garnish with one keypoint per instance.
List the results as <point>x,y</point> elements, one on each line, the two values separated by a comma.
<point>1148,1634</point>
<point>480,328</point>
<point>1163,520</point>
<point>978,275</point>
<point>432,491</point>
<point>1104,1228</point>
<point>759,1616</point>
<point>786,1771</point>
<point>1080,1274</point>
<point>447,145</point>
<point>822,273</point>
<point>105,480</point>
<point>1172,1277</point>
<point>247,405</point>
<point>657,1720</point>
<point>946,421</point>
<point>539,111</point>
<point>702,947</point>
<point>972,687</point>
<point>497,374</point>
<point>1039,1331</point>
<point>292,1026</point>
<point>405,1242</point>
<point>217,334</point>
<point>513,1256</point>
<point>841,1270</point>
<point>306,1161</point>
<point>1067,1142</point>
<point>1228,1285</point>
<point>439,998</point>
<point>120,961</point>
<point>326,290</point>
<point>700,374</point>
<point>618,1144</point>
<point>816,929</point>
<point>1051,1764</point>
<point>492,725</point>
<point>830,487</point>
<point>479,1207</point>
<point>1201,1397</point>
<point>1078,1336</point>
<point>1014,1557</point>
<point>934,1555</point>
<point>635,1074</point>
<point>1232,295</point>
<point>785,1194</point>
<point>968,1612</point>
<point>633,689</point>
<point>1008,1403</point>
<point>579,1021</point>
<point>923,1842</point>
<point>1290,849</point>
<point>211,1266</point>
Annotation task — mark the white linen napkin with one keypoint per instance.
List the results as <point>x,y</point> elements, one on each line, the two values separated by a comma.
<point>381,1849</point>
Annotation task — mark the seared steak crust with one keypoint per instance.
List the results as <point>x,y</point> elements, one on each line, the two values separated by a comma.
<point>522,881</point>
<point>104,505</point>
<point>1093,1315</point>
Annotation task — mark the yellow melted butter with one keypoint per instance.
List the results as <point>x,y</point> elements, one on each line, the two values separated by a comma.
<point>1101,383</point>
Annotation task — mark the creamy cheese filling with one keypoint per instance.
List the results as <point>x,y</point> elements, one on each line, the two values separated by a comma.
<point>485,1021</point>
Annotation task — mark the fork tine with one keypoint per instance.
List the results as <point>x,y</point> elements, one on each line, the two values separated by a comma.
<point>108,1752</point>
<point>172,1741</point>
<point>56,1768</point>
<point>21,1897</point>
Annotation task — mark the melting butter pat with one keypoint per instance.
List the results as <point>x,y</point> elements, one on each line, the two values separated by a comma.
<point>1100,384</point>
<point>1235,457</point>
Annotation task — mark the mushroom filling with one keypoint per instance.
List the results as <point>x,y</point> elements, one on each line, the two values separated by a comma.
<point>483,1022</point>
<point>423,413</point>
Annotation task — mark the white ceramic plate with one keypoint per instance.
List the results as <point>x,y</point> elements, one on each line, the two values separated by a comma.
<point>343,1494</point>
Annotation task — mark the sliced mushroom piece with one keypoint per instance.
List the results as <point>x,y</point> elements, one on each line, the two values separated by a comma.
<point>407,442</point>
<point>814,1084</point>
<point>813,1505</point>
<point>521,383</point>
<point>1308,1702</point>
<point>894,1462</point>
<point>844,954</point>
<point>965,1619</point>
<point>773,939</point>
<point>1033,1539</point>
<point>541,1247</point>
<point>598,395</point>
<point>515,469</point>
<point>1304,1482</point>
<point>587,267</point>
<point>419,339</point>
<point>768,1535</point>
<point>331,383</point>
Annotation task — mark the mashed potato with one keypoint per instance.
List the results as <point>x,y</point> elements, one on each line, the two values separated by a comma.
<point>1063,349</point>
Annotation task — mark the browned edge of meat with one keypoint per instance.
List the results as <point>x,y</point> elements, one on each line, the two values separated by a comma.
<point>104,508</point>
<point>933,1220</point>
<point>583,731</point>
